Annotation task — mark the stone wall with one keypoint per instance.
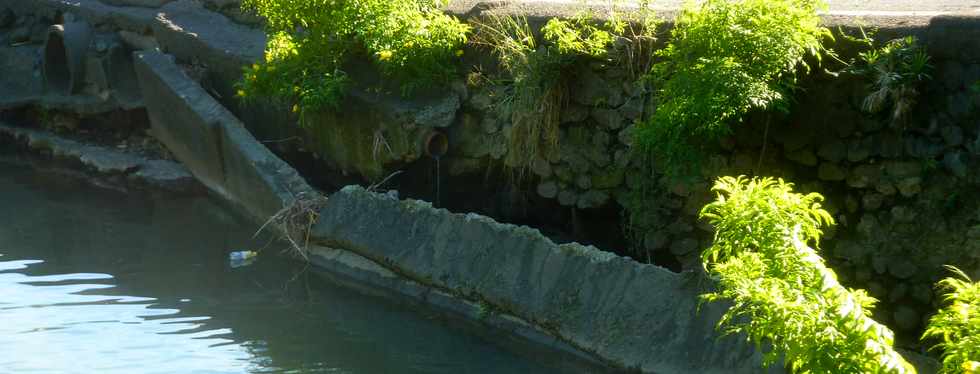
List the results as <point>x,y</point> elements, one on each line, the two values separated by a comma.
<point>903,194</point>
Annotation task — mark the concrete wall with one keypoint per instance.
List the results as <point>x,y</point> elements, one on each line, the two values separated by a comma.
<point>627,314</point>
<point>212,143</point>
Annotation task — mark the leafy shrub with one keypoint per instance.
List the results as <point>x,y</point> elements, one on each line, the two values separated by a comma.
<point>897,69</point>
<point>957,326</point>
<point>411,40</point>
<point>537,71</point>
<point>726,58</point>
<point>781,290</point>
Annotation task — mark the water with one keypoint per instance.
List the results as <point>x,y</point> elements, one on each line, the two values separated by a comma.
<point>94,280</point>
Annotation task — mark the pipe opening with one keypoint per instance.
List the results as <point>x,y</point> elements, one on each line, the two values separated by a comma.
<point>57,75</point>
<point>436,144</point>
<point>122,75</point>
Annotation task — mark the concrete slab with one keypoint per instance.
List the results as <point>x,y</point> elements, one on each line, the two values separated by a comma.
<point>211,142</point>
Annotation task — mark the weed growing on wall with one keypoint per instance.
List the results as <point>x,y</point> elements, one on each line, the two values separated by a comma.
<point>783,295</point>
<point>896,70</point>
<point>409,40</point>
<point>538,69</point>
<point>957,326</point>
<point>725,59</point>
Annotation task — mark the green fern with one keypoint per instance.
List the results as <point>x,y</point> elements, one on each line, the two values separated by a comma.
<point>412,41</point>
<point>726,58</point>
<point>782,292</point>
<point>957,326</point>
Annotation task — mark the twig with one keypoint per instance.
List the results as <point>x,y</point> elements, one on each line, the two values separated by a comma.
<point>383,181</point>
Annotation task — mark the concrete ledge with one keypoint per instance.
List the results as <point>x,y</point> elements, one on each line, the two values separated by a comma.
<point>627,314</point>
<point>164,174</point>
<point>211,142</point>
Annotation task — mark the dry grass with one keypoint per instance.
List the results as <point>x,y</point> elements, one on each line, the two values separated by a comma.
<point>536,95</point>
<point>294,223</point>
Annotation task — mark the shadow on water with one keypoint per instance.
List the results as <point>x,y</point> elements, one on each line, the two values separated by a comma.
<point>94,279</point>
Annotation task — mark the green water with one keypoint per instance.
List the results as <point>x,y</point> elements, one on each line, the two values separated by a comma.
<point>101,281</point>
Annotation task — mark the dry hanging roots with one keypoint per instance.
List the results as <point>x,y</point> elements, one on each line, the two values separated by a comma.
<point>295,221</point>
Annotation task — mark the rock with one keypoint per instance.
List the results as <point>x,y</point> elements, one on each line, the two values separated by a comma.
<point>901,169</point>
<point>902,269</point>
<point>803,157</point>
<point>654,240</point>
<point>868,225</point>
<point>20,35</point>
<point>592,90</point>
<point>953,162</point>
<point>880,264</point>
<point>574,113</point>
<point>607,118</point>
<point>890,145</point>
<point>7,18</point>
<point>864,176</point>
<point>872,201</point>
<point>859,149</point>
<point>463,165</point>
<point>541,168</point>
<point>601,140</point>
<point>851,251</point>
<point>922,148</point>
<point>608,180</point>
<point>876,289</point>
<point>843,126</point>
<point>567,197</point>
<point>903,214</point>
<point>898,292</point>
<point>632,109</point>
<point>563,173</point>
<point>592,199</point>
<point>869,125</point>
<point>959,106</point>
<point>621,158</point>
<point>481,101</point>
<point>579,164</point>
<point>851,204</point>
<point>583,181</point>
<point>548,190</point>
<point>490,124</point>
<point>921,293</point>
<point>683,246</point>
<point>833,152</point>
<point>830,172</point>
<point>909,187</point>
<point>679,227</point>
<point>952,136</point>
<point>885,188</point>
<point>906,318</point>
<point>626,136</point>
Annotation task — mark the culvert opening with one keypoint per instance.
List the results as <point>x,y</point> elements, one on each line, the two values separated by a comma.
<point>57,75</point>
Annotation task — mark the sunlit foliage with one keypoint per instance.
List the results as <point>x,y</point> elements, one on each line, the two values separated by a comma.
<point>724,59</point>
<point>957,326</point>
<point>310,40</point>
<point>783,295</point>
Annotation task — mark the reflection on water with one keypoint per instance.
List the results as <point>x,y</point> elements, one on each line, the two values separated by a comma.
<point>102,281</point>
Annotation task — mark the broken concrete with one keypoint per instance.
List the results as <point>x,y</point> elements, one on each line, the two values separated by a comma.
<point>104,160</point>
<point>626,314</point>
<point>211,142</point>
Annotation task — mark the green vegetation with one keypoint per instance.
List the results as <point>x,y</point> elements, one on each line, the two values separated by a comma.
<point>725,59</point>
<point>783,295</point>
<point>537,71</point>
<point>896,70</point>
<point>310,41</point>
<point>957,326</point>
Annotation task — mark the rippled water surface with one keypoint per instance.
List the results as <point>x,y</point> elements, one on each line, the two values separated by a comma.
<point>100,281</point>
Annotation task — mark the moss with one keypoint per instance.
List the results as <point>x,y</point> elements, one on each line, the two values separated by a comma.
<point>361,144</point>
